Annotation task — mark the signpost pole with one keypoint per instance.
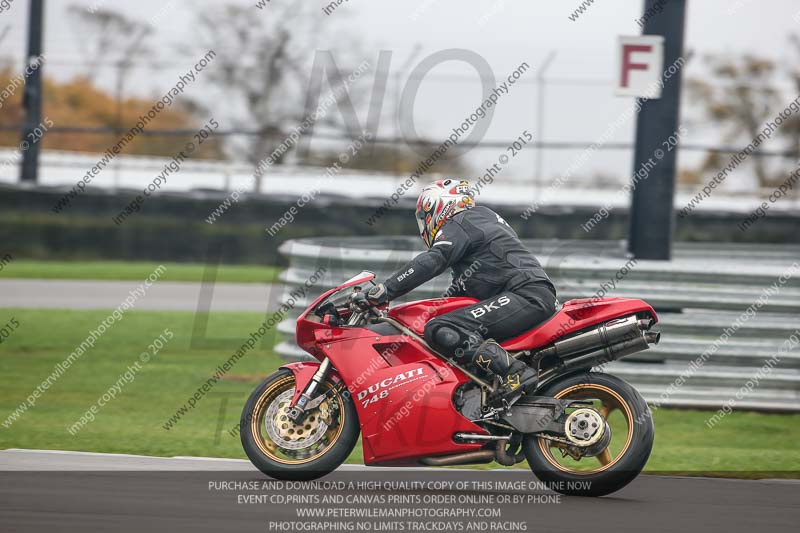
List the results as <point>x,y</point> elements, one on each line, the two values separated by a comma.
<point>651,213</point>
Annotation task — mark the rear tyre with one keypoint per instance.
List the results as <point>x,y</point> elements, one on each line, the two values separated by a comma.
<point>631,423</point>
<point>297,452</point>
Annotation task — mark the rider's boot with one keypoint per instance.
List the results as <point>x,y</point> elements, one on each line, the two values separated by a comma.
<point>516,377</point>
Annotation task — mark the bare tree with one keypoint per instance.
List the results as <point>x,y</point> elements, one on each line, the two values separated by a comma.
<point>105,35</point>
<point>790,129</point>
<point>262,66</point>
<point>738,97</point>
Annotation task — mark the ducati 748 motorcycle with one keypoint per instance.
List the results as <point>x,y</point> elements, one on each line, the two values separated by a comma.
<point>583,432</point>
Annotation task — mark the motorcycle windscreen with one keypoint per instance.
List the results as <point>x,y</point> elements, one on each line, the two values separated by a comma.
<point>364,275</point>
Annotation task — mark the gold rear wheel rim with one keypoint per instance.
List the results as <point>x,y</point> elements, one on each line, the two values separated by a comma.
<point>610,401</point>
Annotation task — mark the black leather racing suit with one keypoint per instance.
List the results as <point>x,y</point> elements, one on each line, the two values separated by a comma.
<point>489,263</point>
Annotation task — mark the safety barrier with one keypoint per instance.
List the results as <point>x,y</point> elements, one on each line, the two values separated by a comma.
<point>750,291</point>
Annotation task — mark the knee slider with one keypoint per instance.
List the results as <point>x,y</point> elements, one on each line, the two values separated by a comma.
<point>447,338</point>
<point>444,337</point>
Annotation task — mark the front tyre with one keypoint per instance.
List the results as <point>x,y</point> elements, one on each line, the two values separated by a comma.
<point>563,468</point>
<point>297,452</point>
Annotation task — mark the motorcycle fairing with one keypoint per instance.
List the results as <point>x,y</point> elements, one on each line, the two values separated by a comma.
<point>308,325</point>
<point>405,407</point>
<point>303,372</point>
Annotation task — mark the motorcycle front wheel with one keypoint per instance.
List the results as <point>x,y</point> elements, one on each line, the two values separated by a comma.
<point>562,467</point>
<point>284,450</point>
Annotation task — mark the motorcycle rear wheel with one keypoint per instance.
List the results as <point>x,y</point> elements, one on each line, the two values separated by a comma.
<point>297,452</point>
<point>632,433</point>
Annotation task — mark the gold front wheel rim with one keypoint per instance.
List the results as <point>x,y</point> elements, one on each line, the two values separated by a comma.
<point>273,450</point>
<point>610,402</point>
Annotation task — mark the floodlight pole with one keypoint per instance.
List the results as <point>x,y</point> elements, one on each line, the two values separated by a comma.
<point>32,96</point>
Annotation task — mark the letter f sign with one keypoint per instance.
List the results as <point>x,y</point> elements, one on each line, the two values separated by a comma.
<point>628,64</point>
<point>641,60</point>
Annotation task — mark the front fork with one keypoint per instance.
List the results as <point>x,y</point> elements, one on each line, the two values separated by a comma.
<point>298,411</point>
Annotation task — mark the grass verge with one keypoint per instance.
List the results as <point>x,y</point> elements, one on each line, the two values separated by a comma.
<point>741,445</point>
<point>134,270</point>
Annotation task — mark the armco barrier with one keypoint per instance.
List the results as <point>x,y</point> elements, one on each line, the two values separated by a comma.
<point>702,291</point>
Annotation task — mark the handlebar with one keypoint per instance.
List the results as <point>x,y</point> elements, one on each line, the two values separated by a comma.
<point>360,305</point>
<point>359,300</point>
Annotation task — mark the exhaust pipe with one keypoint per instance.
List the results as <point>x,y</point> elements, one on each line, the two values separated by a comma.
<point>499,454</point>
<point>600,356</point>
<point>626,348</point>
<point>467,458</point>
<point>608,334</point>
<point>503,457</point>
<point>605,354</point>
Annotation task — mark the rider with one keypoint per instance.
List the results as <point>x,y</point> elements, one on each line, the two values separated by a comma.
<point>490,264</point>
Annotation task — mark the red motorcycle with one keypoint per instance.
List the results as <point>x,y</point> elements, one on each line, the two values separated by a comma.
<point>582,432</point>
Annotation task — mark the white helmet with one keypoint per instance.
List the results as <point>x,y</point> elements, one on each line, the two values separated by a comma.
<point>438,202</point>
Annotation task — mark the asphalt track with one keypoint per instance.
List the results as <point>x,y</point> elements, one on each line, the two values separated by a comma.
<point>161,296</point>
<point>74,491</point>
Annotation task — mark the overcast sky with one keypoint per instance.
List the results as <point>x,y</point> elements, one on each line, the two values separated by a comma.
<point>535,27</point>
<point>505,32</point>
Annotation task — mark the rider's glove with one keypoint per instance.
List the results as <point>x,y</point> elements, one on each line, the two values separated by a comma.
<point>377,295</point>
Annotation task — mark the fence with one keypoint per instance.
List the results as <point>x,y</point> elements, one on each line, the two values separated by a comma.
<point>549,107</point>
